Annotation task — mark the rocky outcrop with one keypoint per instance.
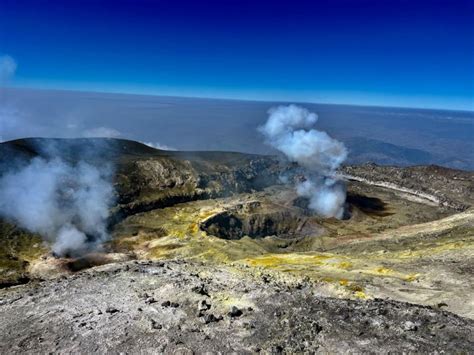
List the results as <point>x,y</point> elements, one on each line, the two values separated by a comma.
<point>157,182</point>
<point>445,187</point>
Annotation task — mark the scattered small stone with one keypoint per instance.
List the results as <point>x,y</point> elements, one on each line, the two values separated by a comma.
<point>410,326</point>
<point>174,304</point>
<point>235,312</point>
<point>166,304</point>
<point>111,310</point>
<point>316,327</point>
<point>278,349</point>
<point>155,325</point>
<point>201,289</point>
<point>203,306</point>
<point>150,300</point>
<point>210,318</point>
<point>250,325</point>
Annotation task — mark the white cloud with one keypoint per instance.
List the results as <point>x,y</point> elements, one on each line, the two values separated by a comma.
<point>101,132</point>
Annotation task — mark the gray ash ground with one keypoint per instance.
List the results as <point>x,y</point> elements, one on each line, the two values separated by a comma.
<point>186,307</point>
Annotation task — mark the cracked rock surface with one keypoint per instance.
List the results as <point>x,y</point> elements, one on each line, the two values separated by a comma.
<point>202,308</point>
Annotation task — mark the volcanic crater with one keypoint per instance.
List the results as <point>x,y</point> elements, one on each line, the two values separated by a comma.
<point>393,271</point>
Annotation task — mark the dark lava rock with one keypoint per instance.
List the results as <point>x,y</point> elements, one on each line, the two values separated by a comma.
<point>203,306</point>
<point>201,289</point>
<point>150,300</point>
<point>235,312</point>
<point>211,318</point>
<point>155,325</point>
<point>111,310</point>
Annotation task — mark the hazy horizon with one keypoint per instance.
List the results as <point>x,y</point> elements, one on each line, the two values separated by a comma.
<point>470,109</point>
<point>384,135</point>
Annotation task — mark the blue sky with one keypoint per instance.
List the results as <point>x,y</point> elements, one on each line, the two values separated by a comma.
<point>390,53</point>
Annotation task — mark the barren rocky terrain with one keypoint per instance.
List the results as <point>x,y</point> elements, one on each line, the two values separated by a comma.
<point>185,307</point>
<point>210,252</point>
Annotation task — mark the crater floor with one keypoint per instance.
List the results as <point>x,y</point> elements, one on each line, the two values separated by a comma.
<point>393,246</point>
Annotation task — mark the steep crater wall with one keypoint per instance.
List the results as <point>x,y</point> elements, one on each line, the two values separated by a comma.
<point>146,184</point>
<point>258,221</point>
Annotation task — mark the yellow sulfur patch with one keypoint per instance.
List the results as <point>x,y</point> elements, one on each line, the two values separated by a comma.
<point>361,295</point>
<point>412,277</point>
<point>346,265</point>
<point>193,228</point>
<point>383,271</point>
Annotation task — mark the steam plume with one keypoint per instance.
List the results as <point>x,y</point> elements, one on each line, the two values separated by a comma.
<point>289,129</point>
<point>159,146</point>
<point>66,204</point>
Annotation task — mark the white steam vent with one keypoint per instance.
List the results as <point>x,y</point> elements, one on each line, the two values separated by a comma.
<point>66,204</point>
<point>290,130</point>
